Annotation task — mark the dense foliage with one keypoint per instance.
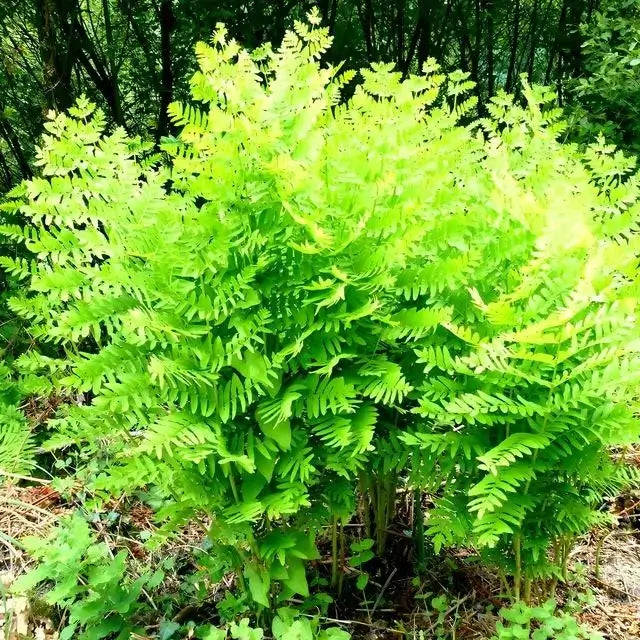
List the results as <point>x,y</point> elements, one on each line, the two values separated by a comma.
<point>521,622</point>
<point>316,295</point>
<point>132,58</point>
<point>88,580</point>
<point>307,324</point>
<point>16,440</point>
<point>608,90</point>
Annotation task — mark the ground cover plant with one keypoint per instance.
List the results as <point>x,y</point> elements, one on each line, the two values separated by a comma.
<point>303,304</point>
<point>16,441</point>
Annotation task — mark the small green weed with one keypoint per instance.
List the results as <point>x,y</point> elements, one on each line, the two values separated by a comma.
<point>84,577</point>
<point>522,622</point>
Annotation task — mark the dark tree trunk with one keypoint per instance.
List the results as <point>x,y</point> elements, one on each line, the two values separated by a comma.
<point>111,64</point>
<point>574,48</point>
<point>141,38</point>
<point>367,17</point>
<point>466,48</point>
<point>400,33</point>
<point>491,81</point>
<point>167,25</point>
<point>329,11</point>
<point>333,16</point>
<point>533,39</point>
<point>8,178</point>
<point>421,32</point>
<point>11,138</point>
<point>513,53</point>
<point>98,70</point>
<point>557,53</point>
<point>477,45</point>
<point>446,23</point>
<point>56,55</point>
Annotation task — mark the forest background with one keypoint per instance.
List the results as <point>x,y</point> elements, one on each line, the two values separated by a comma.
<point>134,60</point>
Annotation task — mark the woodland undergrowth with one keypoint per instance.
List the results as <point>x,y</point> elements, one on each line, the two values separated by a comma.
<point>300,314</point>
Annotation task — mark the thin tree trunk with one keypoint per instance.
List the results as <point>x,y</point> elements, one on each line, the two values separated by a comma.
<point>574,53</point>
<point>557,52</point>
<point>400,33</point>
<point>97,71</point>
<point>491,80</point>
<point>465,39</point>
<point>333,15</point>
<point>366,16</point>
<point>533,39</point>
<point>555,47</point>
<point>56,60</point>
<point>167,25</point>
<point>328,11</point>
<point>416,37</point>
<point>475,52</point>
<point>141,38</point>
<point>371,21</point>
<point>13,142</point>
<point>511,72</point>
<point>111,63</point>
<point>8,178</point>
<point>445,26</point>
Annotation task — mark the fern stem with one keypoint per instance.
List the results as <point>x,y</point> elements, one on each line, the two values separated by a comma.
<point>391,504</point>
<point>234,488</point>
<point>600,545</point>
<point>334,552</point>
<point>383,499</point>
<point>418,531</point>
<point>376,501</point>
<point>556,557</point>
<point>527,588</point>
<point>517,578</point>
<point>342,557</point>
<point>505,583</point>
<point>366,509</point>
<point>241,581</point>
<point>566,548</point>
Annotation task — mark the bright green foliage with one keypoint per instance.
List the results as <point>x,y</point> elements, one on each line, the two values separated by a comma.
<point>540,623</point>
<point>103,597</point>
<point>287,625</point>
<point>317,290</point>
<point>16,442</point>
<point>83,576</point>
<point>535,380</point>
<point>609,91</point>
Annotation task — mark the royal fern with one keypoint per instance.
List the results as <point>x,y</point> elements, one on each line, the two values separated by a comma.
<point>314,290</point>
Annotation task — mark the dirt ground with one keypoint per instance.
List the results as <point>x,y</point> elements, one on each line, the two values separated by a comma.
<point>607,563</point>
<point>616,583</point>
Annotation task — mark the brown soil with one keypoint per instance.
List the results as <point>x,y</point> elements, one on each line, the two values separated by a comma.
<point>396,605</point>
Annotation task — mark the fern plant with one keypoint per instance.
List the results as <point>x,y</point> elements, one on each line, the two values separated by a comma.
<point>534,380</point>
<point>17,448</point>
<point>315,294</point>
